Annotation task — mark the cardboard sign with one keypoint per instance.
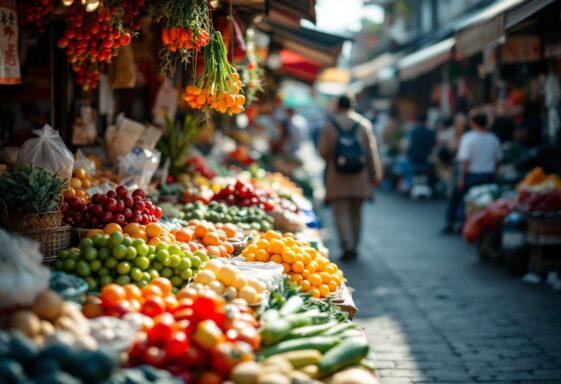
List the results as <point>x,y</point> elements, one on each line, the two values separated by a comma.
<point>9,58</point>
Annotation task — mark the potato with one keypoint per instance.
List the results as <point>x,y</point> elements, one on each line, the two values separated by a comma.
<point>278,364</point>
<point>273,378</point>
<point>246,372</point>
<point>47,329</point>
<point>48,305</point>
<point>26,321</point>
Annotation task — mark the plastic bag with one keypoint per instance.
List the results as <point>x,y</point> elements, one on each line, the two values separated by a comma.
<point>83,162</point>
<point>47,151</point>
<point>22,274</point>
<point>137,167</point>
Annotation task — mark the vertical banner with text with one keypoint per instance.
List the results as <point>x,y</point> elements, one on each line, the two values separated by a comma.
<point>9,59</point>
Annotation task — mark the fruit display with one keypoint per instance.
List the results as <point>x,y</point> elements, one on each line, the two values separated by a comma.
<point>305,266</point>
<point>214,238</point>
<point>51,320</point>
<point>539,202</point>
<point>245,195</point>
<point>538,181</point>
<point>277,369</point>
<point>104,259</point>
<point>152,233</point>
<point>116,206</point>
<point>225,279</point>
<point>216,212</point>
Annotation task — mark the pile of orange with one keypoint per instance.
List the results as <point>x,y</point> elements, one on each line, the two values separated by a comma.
<point>212,237</point>
<point>307,267</point>
<point>152,234</point>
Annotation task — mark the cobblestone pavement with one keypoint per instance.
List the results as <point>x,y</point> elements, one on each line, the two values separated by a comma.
<point>435,314</point>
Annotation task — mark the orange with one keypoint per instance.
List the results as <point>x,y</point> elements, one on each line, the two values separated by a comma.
<point>69,192</point>
<point>92,232</point>
<point>312,267</point>
<point>316,294</point>
<point>131,227</point>
<point>229,247</point>
<point>135,305</point>
<point>297,278</point>
<point>276,246</point>
<point>322,262</point>
<point>270,235</point>
<point>262,244</point>
<point>213,250</point>
<point>315,279</point>
<point>133,292</point>
<point>325,277</point>
<point>288,256</point>
<point>331,268</point>
<point>113,294</point>
<point>140,234</point>
<point>276,258</point>
<point>332,284</point>
<point>211,238</point>
<point>200,230</point>
<point>305,273</point>
<point>222,250</point>
<point>286,267</point>
<point>305,285</point>
<point>306,258</point>
<point>251,248</point>
<point>221,235</point>
<point>298,266</point>
<point>80,193</point>
<point>288,241</point>
<point>171,302</point>
<point>230,230</point>
<point>75,183</point>
<point>262,255</point>
<point>154,241</point>
<point>151,290</point>
<point>153,230</point>
<point>250,257</point>
<point>80,173</point>
<point>112,227</point>
<point>86,183</point>
<point>324,290</point>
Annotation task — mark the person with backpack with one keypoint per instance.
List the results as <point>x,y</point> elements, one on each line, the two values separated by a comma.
<point>349,148</point>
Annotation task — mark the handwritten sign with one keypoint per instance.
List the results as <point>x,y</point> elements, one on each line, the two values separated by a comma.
<point>9,59</point>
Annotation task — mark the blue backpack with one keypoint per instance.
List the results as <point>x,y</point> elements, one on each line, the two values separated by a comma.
<point>349,155</point>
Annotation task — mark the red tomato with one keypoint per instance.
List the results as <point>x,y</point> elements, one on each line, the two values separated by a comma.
<point>153,306</point>
<point>249,335</point>
<point>177,345</point>
<point>163,328</point>
<point>193,357</point>
<point>155,357</point>
<point>210,378</point>
<point>227,355</point>
<point>138,351</point>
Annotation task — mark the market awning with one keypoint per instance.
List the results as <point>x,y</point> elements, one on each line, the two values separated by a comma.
<point>524,11</point>
<point>323,48</point>
<point>483,28</point>
<point>425,59</point>
<point>289,9</point>
<point>298,67</point>
<point>368,73</point>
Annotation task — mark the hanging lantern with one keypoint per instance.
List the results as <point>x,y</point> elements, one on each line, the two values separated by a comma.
<point>91,5</point>
<point>67,3</point>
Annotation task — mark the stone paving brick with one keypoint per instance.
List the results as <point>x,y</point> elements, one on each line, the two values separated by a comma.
<point>434,314</point>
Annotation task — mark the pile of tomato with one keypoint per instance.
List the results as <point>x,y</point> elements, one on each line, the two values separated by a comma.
<point>195,335</point>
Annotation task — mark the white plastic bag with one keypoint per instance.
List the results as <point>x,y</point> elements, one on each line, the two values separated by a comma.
<point>137,167</point>
<point>22,274</point>
<point>82,161</point>
<point>47,151</point>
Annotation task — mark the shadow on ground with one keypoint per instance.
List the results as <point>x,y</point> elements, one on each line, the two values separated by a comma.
<point>435,314</point>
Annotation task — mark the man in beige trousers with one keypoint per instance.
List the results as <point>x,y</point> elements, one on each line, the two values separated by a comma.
<point>346,189</point>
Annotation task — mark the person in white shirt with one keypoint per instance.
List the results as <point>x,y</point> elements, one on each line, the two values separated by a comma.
<point>479,155</point>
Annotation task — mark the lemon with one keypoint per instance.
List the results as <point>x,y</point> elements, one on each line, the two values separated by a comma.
<point>230,292</point>
<point>205,277</point>
<point>228,275</point>
<point>214,265</point>
<point>249,294</point>
<point>259,286</point>
<point>240,282</point>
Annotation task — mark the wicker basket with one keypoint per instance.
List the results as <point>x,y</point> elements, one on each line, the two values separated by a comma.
<point>78,234</point>
<point>52,240</point>
<point>544,231</point>
<point>25,221</point>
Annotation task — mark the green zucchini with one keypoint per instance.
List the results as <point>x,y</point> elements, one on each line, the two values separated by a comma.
<point>310,330</point>
<point>339,328</point>
<point>276,330</point>
<point>319,343</point>
<point>293,305</point>
<point>349,352</point>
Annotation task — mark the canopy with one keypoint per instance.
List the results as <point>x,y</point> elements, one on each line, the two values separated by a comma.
<point>525,11</point>
<point>369,72</point>
<point>483,28</point>
<point>425,59</point>
<point>298,67</point>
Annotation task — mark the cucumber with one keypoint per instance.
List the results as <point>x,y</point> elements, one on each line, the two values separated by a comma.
<point>349,352</point>
<point>319,343</point>
<point>339,328</point>
<point>274,331</point>
<point>311,317</point>
<point>270,315</point>
<point>301,358</point>
<point>293,305</point>
<point>310,330</point>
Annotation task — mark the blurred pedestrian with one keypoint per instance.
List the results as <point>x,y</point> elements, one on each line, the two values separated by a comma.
<point>294,132</point>
<point>479,154</point>
<point>349,147</point>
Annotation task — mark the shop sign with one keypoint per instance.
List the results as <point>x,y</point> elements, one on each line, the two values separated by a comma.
<point>9,58</point>
<point>521,49</point>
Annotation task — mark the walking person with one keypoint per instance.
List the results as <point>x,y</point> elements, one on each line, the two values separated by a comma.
<point>479,154</point>
<point>349,147</point>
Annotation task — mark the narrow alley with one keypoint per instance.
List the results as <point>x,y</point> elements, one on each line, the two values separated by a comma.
<point>435,314</point>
